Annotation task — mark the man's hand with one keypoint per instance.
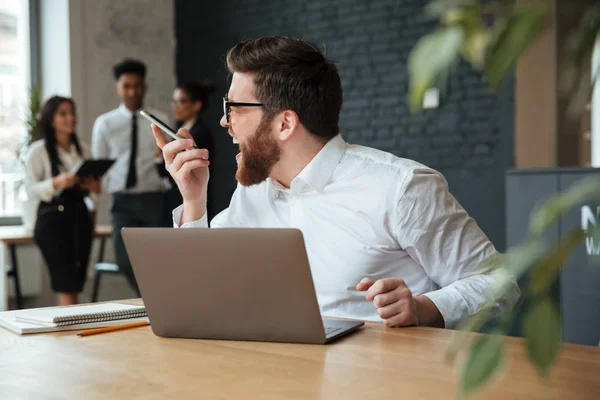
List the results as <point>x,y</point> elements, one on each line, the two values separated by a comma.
<point>396,304</point>
<point>188,169</point>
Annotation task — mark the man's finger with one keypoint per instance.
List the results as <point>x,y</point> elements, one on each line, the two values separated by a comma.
<point>172,149</point>
<point>184,134</point>
<point>405,318</point>
<point>189,166</point>
<point>364,284</point>
<point>391,310</point>
<point>159,136</point>
<point>383,286</point>
<point>384,299</point>
<point>186,156</point>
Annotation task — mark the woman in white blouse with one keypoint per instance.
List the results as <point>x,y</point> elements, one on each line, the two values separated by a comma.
<point>64,227</point>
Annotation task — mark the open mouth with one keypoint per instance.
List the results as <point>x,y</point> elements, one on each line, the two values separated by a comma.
<point>238,155</point>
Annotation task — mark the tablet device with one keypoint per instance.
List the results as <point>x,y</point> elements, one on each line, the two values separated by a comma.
<point>94,168</point>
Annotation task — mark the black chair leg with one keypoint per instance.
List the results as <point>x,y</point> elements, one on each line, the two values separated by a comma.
<point>97,276</point>
<point>15,270</point>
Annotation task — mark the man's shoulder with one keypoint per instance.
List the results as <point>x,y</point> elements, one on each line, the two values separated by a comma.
<point>382,163</point>
<point>107,116</point>
<point>253,191</point>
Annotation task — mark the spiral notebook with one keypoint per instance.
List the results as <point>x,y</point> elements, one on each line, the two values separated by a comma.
<point>71,318</point>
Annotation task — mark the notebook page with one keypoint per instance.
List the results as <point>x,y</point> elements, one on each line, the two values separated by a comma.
<point>50,315</point>
<point>23,327</point>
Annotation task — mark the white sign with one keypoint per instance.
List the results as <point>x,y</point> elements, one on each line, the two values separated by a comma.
<point>588,217</point>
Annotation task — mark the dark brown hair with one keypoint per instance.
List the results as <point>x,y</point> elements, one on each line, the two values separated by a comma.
<point>292,74</point>
<point>129,66</point>
<point>48,133</point>
<point>198,92</point>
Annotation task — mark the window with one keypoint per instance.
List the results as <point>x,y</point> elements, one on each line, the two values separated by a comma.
<point>14,84</point>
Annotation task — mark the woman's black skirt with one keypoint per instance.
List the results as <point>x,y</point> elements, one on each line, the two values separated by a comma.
<point>63,232</point>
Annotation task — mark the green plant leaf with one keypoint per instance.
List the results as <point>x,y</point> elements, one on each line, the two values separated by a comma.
<point>514,263</point>
<point>432,57</point>
<point>461,336</point>
<point>475,46</point>
<point>514,37</point>
<point>546,270</point>
<point>541,325</point>
<point>585,190</point>
<point>439,8</point>
<point>484,360</point>
<point>580,96</point>
<point>574,85</point>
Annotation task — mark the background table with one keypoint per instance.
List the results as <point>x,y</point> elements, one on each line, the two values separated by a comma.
<point>13,236</point>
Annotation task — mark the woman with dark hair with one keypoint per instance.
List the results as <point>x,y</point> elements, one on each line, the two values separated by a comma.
<point>190,101</point>
<point>64,227</point>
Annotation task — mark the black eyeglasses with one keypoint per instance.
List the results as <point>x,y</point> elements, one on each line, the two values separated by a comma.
<point>228,104</point>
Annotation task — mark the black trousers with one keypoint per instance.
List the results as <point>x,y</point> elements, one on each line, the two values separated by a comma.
<point>63,232</point>
<point>133,210</point>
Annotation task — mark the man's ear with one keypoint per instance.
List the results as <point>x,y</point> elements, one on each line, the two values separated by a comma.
<point>288,123</point>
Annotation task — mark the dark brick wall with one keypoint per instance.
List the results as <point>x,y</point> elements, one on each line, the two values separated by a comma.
<point>469,138</point>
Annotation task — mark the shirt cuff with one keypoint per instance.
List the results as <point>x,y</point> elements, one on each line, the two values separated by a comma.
<point>450,304</point>
<point>46,191</point>
<point>200,223</point>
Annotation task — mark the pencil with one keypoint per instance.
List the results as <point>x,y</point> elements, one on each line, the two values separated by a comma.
<point>113,328</point>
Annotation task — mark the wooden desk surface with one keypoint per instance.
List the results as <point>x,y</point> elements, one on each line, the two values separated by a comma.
<point>373,363</point>
<point>21,235</point>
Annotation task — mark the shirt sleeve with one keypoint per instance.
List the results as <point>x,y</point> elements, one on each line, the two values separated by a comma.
<point>438,233</point>
<point>37,184</point>
<point>217,222</point>
<point>235,216</point>
<point>200,223</point>
<point>100,147</point>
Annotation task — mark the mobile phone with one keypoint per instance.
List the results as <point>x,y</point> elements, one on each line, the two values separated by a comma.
<point>164,127</point>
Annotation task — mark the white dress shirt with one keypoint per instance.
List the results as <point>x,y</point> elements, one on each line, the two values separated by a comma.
<point>111,138</point>
<point>38,174</point>
<point>367,213</point>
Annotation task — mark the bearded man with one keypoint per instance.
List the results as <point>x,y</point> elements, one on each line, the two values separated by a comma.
<point>386,240</point>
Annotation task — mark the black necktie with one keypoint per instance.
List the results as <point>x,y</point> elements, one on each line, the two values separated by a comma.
<point>132,175</point>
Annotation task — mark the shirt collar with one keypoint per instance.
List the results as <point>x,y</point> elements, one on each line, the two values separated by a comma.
<point>72,150</point>
<point>319,170</point>
<point>126,111</point>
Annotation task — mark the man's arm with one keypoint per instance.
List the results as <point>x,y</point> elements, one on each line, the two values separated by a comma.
<point>100,147</point>
<point>438,233</point>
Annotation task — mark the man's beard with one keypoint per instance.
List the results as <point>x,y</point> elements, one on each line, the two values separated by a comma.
<point>260,153</point>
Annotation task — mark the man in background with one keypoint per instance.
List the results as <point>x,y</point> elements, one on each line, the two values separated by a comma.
<point>122,134</point>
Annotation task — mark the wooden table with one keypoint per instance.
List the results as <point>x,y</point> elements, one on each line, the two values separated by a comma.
<point>373,363</point>
<point>12,236</point>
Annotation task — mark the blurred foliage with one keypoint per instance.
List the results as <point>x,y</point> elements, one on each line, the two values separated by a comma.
<point>542,263</point>
<point>491,36</point>
<point>31,119</point>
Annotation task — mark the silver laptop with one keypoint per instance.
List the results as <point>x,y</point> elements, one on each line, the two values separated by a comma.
<point>232,283</point>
